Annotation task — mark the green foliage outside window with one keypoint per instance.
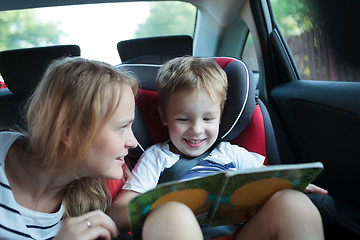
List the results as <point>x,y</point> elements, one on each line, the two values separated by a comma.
<point>168,18</point>
<point>302,25</point>
<point>21,29</point>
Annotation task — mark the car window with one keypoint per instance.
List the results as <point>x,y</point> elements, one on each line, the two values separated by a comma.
<point>308,40</point>
<point>96,28</point>
<point>249,54</point>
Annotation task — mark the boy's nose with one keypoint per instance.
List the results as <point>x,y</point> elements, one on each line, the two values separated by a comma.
<point>197,127</point>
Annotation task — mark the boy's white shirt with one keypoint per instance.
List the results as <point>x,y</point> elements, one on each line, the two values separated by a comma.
<point>156,158</point>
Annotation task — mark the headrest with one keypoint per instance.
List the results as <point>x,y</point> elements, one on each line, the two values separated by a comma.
<point>238,109</point>
<point>22,69</point>
<point>240,103</point>
<point>144,73</point>
<point>154,50</point>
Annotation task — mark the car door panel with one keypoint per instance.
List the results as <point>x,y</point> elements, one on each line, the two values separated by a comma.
<point>322,121</point>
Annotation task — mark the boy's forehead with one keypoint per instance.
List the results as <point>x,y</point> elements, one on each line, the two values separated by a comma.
<point>194,92</point>
<point>188,98</point>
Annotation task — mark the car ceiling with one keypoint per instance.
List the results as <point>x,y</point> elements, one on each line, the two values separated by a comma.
<point>225,12</point>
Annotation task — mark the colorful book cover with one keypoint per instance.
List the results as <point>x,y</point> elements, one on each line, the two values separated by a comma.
<point>225,197</point>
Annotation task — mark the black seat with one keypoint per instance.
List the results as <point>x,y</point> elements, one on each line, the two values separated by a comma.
<point>154,50</point>
<point>21,70</point>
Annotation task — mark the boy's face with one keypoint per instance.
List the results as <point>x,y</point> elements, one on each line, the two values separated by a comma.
<point>193,120</point>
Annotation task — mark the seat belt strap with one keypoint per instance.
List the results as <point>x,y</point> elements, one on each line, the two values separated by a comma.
<point>183,165</point>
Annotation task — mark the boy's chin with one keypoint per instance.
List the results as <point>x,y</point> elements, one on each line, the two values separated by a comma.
<point>194,153</point>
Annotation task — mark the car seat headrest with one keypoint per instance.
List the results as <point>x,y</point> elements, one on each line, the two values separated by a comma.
<point>22,69</point>
<point>154,50</point>
<point>240,103</point>
<point>144,73</point>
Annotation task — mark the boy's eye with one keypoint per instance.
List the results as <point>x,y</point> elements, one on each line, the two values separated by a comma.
<point>182,119</point>
<point>208,118</point>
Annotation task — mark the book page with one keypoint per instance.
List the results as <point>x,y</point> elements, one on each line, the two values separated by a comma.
<point>200,195</point>
<point>246,191</point>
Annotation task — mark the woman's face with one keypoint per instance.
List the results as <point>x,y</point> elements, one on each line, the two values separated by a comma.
<point>111,144</point>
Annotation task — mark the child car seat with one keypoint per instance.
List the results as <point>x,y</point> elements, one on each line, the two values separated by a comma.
<point>244,119</point>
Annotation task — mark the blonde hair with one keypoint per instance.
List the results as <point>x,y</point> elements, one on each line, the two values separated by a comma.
<point>190,74</point>
<point>74,98</point>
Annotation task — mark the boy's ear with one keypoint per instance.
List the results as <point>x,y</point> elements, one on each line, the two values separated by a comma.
<point>162,116</point>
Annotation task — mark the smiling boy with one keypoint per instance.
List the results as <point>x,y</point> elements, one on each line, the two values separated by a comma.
<point>192,93</point>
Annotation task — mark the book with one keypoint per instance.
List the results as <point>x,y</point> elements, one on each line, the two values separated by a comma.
<point>227,197</point>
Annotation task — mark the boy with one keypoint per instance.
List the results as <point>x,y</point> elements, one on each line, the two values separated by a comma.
<point>192,93</point>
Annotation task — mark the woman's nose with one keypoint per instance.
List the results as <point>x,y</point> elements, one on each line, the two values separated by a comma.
<point>131,142</point>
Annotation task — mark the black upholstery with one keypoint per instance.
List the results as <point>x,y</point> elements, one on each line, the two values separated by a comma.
<point>154,50</point>
<point>144,73</point>
<point>21,70</point>
<point>240,102</point>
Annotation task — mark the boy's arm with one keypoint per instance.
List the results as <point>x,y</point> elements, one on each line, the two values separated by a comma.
<point>118,210</point>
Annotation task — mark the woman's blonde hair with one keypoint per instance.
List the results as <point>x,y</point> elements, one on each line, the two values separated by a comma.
<point>191,73</point>
<point>74,99</point>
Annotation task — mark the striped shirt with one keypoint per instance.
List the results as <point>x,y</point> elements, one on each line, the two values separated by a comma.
<point>17,222</point>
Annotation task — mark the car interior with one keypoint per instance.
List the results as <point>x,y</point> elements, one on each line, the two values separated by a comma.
<point>270,110</point>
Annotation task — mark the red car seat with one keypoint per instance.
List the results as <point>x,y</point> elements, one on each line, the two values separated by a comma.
<point>244,118</point>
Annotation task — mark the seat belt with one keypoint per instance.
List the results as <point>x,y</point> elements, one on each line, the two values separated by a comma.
<point>183,165</point>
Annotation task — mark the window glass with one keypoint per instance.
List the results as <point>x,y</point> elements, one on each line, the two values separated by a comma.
<point>249,54</point>
<point>308,39</point>
<point>96,28</point>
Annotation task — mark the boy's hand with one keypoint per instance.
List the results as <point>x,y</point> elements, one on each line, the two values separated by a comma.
<point>118,210</point>
<point>311,188</point>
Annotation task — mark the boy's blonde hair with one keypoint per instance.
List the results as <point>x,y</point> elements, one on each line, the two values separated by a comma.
<point>74,99</point>
<point>191,74</point>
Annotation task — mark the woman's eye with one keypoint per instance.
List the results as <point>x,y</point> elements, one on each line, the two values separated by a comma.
<point>124,126</point>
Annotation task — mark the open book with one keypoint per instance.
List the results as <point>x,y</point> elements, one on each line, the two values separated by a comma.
<point>226,197</point>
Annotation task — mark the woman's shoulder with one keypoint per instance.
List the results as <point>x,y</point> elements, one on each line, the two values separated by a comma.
<point>5,135</point>
<point>6,140</point>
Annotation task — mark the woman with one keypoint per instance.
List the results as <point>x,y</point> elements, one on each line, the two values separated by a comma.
<point>79,131</point>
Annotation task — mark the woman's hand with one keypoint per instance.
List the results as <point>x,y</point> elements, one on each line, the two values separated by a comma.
<point>92,225</point>
<point>311,188</point>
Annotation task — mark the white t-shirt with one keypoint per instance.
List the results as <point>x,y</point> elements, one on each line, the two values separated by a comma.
<point>17,222</point>
<point>158,157</point>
